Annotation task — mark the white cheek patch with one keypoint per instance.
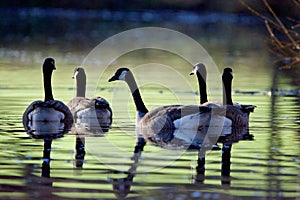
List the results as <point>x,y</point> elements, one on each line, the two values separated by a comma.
<point>196,68</point>
<point>122,76</point>
<point>75,74</point>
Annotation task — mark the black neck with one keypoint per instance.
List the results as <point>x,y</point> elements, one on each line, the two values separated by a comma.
<point>227,99</point>
<point>47,86</point>
<point>139,104</point>
<point>81,84</point>
<point>202,87</point>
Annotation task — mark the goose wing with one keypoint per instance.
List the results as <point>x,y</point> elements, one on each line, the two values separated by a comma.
<point>79,103</point>
<point>29,109</point>
<point>157,125</point>
<point>103,112</point>
<point>237,116</point>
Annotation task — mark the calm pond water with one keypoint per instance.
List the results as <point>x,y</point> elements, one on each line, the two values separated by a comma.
<point>264,165</point>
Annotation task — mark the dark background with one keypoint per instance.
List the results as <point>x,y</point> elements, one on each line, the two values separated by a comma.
<point>280,7</point>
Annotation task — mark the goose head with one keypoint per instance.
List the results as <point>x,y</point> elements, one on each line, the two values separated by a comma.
<point>79,73</point>
<point>49,65</point>
<point>227,75</point>
<point>119,75</point>
<point>200,69</point>
<point>227,81</point>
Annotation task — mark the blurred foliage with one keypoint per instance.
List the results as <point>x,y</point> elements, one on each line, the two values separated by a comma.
<point>284,35</point>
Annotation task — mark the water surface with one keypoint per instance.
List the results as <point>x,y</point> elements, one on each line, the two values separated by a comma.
<point>265,167</point>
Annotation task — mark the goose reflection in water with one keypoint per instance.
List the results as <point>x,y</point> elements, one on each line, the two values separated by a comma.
<point>122,186</point>
<point>39,186</point>
<point>42,186</point>
<point>237,134</point>
<point>46,132</point>
<point>79,151</point>
<point>81,130</point>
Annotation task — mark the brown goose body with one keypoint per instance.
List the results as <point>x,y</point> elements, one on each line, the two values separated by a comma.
<point>181,126</point>
<point>91,113</point>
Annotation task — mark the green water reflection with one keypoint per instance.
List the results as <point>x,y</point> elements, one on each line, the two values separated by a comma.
<point>265,167</point>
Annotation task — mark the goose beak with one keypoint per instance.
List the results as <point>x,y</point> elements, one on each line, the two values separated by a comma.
<point>114,78</point>
<point>194,71</point>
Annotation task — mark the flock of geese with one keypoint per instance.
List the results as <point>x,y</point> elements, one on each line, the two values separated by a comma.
<point>161,126</point>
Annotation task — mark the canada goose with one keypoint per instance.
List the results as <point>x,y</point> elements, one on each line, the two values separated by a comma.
<point>159,125</point>
<point>236,112</point>
<point>89,113</point>
<point>201,73</point>
<point>40,114</point>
